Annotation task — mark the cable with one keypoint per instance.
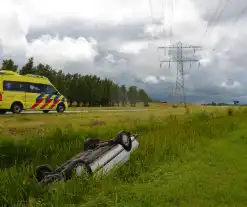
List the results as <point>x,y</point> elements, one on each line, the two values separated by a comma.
<point>219,16</point>
<point>217,20</point>
<point>240,14</point>
<point>235,21</point>
<point>212,19</point>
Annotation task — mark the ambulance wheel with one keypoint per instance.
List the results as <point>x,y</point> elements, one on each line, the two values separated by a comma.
<point>124,140</point>
<point>16,108</point>
<point>46,111</point>
<point>78,168</point>
<point>60,108</point>
<point>42,171</point>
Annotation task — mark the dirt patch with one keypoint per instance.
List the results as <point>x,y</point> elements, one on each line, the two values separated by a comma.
<point>97,123</point>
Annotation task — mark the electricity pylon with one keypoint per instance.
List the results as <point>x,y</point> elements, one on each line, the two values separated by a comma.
<point>180,60</point>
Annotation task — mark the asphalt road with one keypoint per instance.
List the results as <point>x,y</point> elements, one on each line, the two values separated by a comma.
<point>83,111</point>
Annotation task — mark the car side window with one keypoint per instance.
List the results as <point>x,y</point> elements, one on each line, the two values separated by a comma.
<point>14,86</point>
<point>35,88</point>
<point>50,90</point>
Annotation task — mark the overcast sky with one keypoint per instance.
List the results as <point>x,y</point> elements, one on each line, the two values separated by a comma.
<point>118,39</point>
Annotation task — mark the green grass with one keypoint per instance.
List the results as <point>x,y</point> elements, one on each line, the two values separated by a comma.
<point>195,159</point>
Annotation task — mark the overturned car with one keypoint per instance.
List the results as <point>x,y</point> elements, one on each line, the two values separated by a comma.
<point>97,158</point>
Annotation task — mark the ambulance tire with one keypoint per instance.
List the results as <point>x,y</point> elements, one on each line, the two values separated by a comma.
<point>60,108</point>
<point>16,108</point>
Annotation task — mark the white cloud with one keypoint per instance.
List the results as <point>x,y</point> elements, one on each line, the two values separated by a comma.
<point>15,20</point>
<point>13,27</point>
<point>231,85</point>
<point>151,79</point>
<point>57,51</point>
<point>133,47</point>
<point>110,58</point>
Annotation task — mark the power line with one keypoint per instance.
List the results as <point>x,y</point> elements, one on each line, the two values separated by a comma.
<point>224,8</point>
<point>235,21</point>
<point>222,11</point>
<point>212,18</point>
<point>240,14</point>
<point>217,17</point>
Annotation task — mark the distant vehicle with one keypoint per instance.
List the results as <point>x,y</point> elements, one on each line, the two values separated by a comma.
<point>98,158</point>
<point>28,92</point>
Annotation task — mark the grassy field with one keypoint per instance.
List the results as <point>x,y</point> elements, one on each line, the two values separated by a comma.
<point>194,157</point>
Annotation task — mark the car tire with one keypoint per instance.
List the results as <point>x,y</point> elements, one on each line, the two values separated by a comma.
<point>16,108</point>
<point>60,108</point>
<point>90,143</point>
<point>77,167</point>
<point>46,111</point>
<point>123,138</point>
<point>42,171</point>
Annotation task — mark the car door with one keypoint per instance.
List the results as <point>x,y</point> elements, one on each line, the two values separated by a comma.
<point>35,96</point>
<point>52,98</point>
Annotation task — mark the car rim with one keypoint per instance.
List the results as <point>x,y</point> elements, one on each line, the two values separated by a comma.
<point>125,140</point>
<point>17,109</point>
<point>60,108</point>
<point>80,170</point>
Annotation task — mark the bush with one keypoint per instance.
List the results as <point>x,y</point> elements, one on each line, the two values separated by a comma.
<point>230,112</point>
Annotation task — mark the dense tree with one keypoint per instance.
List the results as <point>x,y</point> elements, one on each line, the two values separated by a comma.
<point>8,64</point>
<point>133,95</point>
<point>28,68</point>
<point>143,97</point>
<point>123,96</point>
<point>87,90</point>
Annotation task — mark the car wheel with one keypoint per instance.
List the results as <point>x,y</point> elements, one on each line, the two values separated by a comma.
<point>79,168</point>
<point>90,143</point>
<point>46,111</point>
<point>42,171</point>
<point>16,108</point>
<point>123,138</point>
<point>60,108</point>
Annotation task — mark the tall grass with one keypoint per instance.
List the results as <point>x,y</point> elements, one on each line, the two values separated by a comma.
<point>161,141</point>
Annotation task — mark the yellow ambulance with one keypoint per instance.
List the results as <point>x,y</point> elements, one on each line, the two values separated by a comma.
<point>29,92</point>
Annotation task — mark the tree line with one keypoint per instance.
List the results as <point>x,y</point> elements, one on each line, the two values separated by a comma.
<point>85,90</point>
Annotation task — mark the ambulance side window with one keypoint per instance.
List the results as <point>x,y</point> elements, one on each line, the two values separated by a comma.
<point>35,88</point>
<point>14,86</point>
